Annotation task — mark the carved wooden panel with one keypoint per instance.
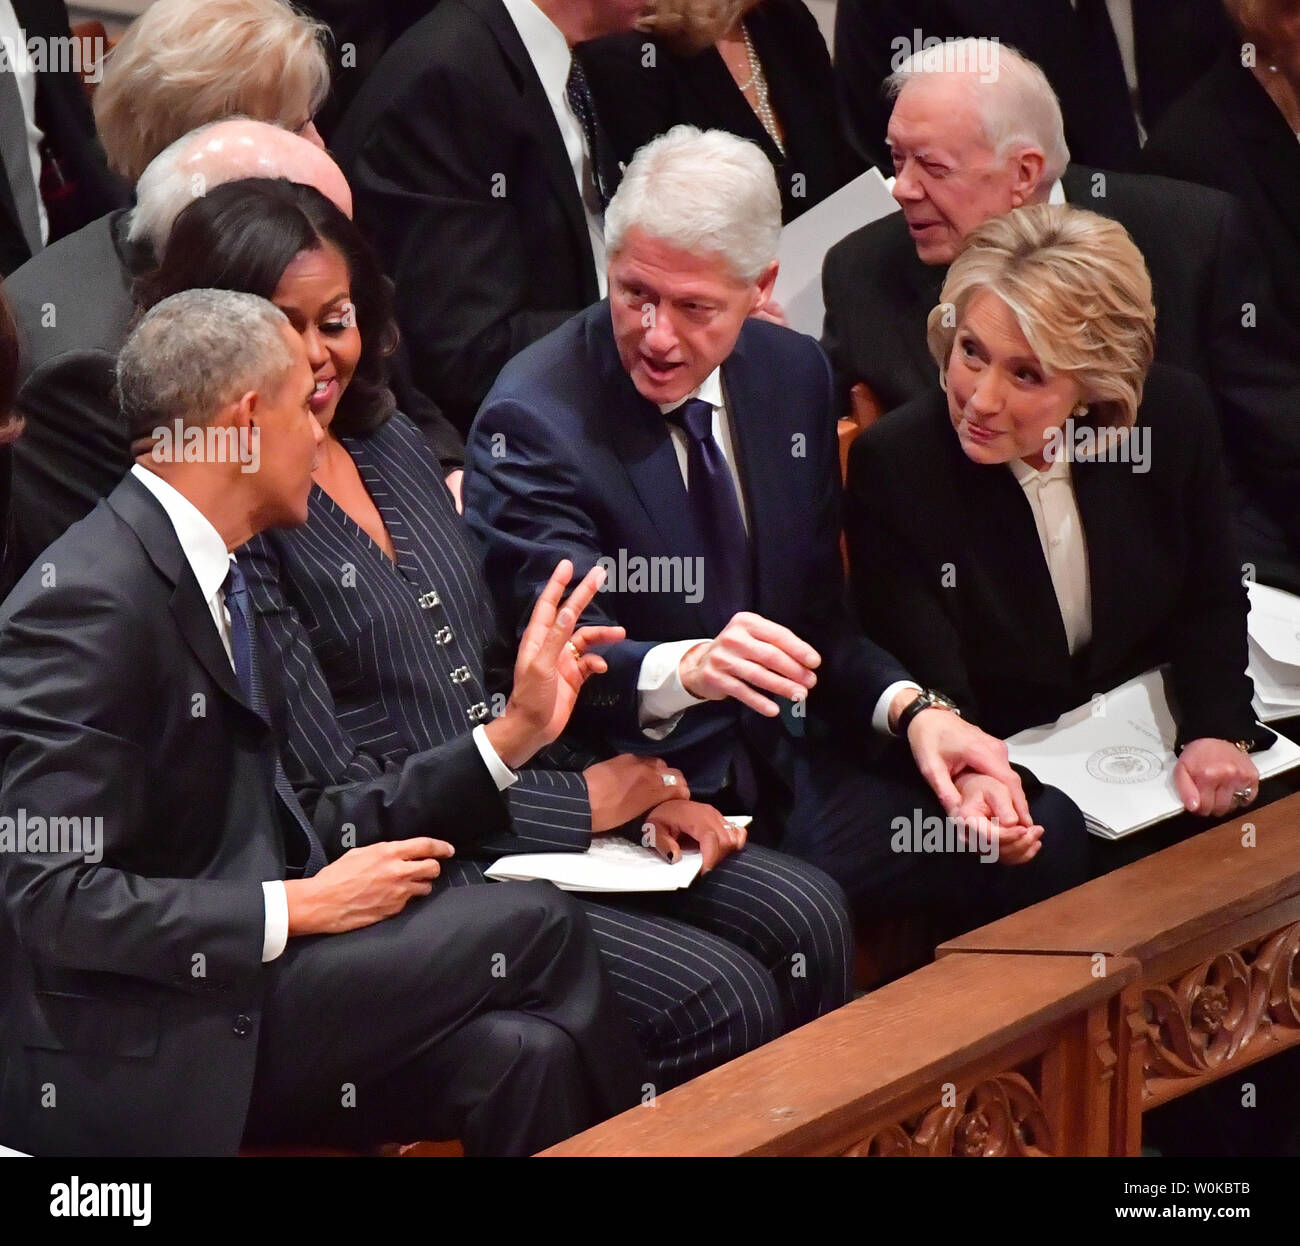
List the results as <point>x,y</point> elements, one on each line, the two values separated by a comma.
<point>1000,1115</point>
<point>1223,1010</point>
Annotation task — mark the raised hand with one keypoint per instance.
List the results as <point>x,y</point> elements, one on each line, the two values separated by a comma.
<point>551,666</point>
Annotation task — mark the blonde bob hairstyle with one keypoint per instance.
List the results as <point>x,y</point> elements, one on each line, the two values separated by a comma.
<point>182,64</point>
<point>1080,292</point>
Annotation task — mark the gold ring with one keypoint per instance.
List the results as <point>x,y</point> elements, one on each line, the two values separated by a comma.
<point>573,649</point>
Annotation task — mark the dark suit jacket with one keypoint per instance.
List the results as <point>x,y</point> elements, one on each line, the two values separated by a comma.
<point>74,307</point>
<point>461,178</point>
<point>948,570</point>
<point>638,100</point>
<point>362,32</point>
<point>134,985</point>
<point>568,460</point>
<point>383,663</point>
<point>1175,42</point>
<point>1205,269</point>
<point>1226,132</point>
<point>77,184</point>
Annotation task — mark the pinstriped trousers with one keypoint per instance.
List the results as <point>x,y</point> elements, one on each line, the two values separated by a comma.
<point>761,944</point>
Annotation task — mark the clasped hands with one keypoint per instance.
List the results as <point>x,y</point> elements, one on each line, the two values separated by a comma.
<point>967,769</point>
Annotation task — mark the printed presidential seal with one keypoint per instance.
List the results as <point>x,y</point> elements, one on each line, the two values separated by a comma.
<point>1124,763</point>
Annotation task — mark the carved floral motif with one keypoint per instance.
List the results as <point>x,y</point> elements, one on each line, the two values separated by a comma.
<point>1205,1017</point>
<point>1001,1115</point>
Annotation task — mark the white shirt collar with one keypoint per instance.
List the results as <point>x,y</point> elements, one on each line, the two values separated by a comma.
<point>1057,469</point>
<point>1057,195</point>
<point>546,46</point>
<point>201,543</point>
<point>710,389</point>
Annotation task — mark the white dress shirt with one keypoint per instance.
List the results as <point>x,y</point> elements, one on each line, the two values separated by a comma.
<point>549,51</point>
<point>210,561</point>
<point>661,699</point>
<point>1060,533</point>
<point>13,36</point>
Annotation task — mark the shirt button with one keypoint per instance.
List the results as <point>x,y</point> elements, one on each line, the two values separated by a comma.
<point>243,1025</point>
<point>429,600</point>
<point>477,712</point>
<point>460,674</point>
<point>443,636</point>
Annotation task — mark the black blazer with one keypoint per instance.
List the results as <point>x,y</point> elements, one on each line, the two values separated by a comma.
<point>1175,41</point>
<point>1226,132</point>
<point>642,89</point>
<point>117,701</point>
<point>589,471</point>
<point>74,307</point>
<point>78,183</point>
<point>461,177</point>
<point>1207,272</point>
<point>949,573</point>
<point>383,663</point>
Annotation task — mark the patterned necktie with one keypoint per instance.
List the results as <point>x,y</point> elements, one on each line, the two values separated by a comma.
<point>715,515</point>
<point>243,648</point>
<point>584,108</point>
<point>17,161</point>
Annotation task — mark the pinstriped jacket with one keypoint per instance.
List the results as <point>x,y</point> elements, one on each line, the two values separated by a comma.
<point>382,663</point>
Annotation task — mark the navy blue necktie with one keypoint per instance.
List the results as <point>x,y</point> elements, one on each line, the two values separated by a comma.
<point>584,108</point>
<point>715,515</point>
<point>243,648</point>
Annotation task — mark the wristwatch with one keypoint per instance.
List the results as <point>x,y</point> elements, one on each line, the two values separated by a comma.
<point>927,699</point>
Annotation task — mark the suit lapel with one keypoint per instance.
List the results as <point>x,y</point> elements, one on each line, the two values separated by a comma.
<point>138,508</point>
<point>1004,545</point>
<point>761,460</point>
<point>1106,511</point>
<point>643,445</point>
<point>536,109</point>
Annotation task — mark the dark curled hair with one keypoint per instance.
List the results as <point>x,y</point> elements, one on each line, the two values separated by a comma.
<point>242,235</point>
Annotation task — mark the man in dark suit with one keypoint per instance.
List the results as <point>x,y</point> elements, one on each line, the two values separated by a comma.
<point>74,306</point>
<point>1218,316</point>
<point>481,173</point>
<point>1115,79</point>
<point>160,880</point>
<point>44,113</point>
<point>689,448</point>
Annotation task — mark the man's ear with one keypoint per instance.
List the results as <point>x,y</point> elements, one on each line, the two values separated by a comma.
<point>1027,179</point>
<point>765,285</point>
<point>244,412</point>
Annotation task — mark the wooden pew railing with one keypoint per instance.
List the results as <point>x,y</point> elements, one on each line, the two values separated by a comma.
<point>1048,1032</point>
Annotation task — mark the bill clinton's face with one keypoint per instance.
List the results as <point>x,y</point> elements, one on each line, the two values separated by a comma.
<point>677,314</point>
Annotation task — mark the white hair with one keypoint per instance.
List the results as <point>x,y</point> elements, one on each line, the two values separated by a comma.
<point>1015,102</point>
<point>164,191</point>
<point>197,351</point>
<point>701,191</point>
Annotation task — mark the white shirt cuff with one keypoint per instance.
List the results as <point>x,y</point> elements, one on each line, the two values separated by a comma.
<point>880,718</point>
<point>276,932</point>
<point>501,774</point>
<point>661,699</point>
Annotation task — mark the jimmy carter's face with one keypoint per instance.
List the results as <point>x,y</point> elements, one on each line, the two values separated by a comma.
<point>1001,400</point>
<point>948,179</point>
<point>676,314</point>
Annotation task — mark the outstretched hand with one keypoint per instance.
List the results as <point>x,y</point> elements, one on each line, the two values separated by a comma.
<point>551,666</point>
